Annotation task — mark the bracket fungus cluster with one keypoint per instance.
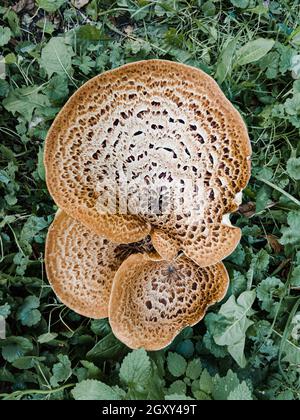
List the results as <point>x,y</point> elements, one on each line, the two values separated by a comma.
<point>145,162</point>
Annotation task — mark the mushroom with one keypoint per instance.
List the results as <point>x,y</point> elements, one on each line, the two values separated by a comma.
<point>148,300</point>
<point>162,139</point>
<point>80,266</point>
<point>153,300</point>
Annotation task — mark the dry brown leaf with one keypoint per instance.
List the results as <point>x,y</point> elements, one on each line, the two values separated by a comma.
<point>274,244</point>
<point>23,5</point>
<point>247,209</point>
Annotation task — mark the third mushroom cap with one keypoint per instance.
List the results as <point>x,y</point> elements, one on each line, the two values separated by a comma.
<point>152,146</point>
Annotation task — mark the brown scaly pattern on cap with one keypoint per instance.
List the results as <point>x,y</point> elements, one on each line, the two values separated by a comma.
<point>81,265</point>
<point>152,301</point>
<point>148,300</point>
<point>160,123</point>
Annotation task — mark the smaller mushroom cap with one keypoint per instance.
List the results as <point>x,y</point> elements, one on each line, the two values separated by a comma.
<point>224,240</point>
<point>80,266</point>
<point>153,300</point>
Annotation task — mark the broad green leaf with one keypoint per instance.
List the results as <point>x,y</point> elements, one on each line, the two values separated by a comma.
<point>57,89</point>
<point>268,291</point>
<point>285,396</point>
<point>100,327</point>
<point>237,349</point>
<point>295,278</point>
<point>286,54</point>
<point>28,313</point>
<point>15,347</point>
<point>291,109</point>
<point>186,348</point>
<point>91,389</point>
<point>176,364</point>
<point>206,382</point>
<point>270,63</point>
<point>21,262</point>
<point>136,12</point>
<point>224,65</point>
<point>24,101</point>
<point>194,369</point>
<point>243,4</point>
<point>291,353</point>
<point>293,168</point>
<point>57,57</point>
<point>290,234</point>
<point>223,386</point>
<point>177,387</point>
<point>33,231</point>
<point>6,376</point>
<point>27,362</point>
<point>233,324</point>
<point>138,46</point>
<point>292,105</point>
<point>107,348</point>
<point>237,311</point>
<point>253,51</point>
<point>295,66</point>
<point>201,396</point>
<point>4,86</point>
<point>238,256</point>
<point>9,59</point>
<point>47,337</point>
<point>5,35</point>
<point>240,393</point>
<point>5,310</point>
<point>136,368</point>
<point>262,199</point>
<point>61,370</point>
<point>46,26</point>
<point>89,33</point>
<point>85,64</point>
<point>208,8</point>
<point>50,5</point>
<point>259,264</point>
<point>238,283</point>
<point>92,371</point>
<point>210,344</point>
<point>7,153</point>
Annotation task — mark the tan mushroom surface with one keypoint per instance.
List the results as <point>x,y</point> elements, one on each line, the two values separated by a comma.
<point>148,300</point>
<point>152,301</point>
<point>153,128</point>
<point>81,266</point>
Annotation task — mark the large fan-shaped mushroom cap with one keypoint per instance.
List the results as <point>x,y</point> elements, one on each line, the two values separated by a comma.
<point>152,143</point>
<point>152,301</point>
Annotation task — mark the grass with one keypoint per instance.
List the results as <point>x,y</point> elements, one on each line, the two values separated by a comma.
<point>52,353</point>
